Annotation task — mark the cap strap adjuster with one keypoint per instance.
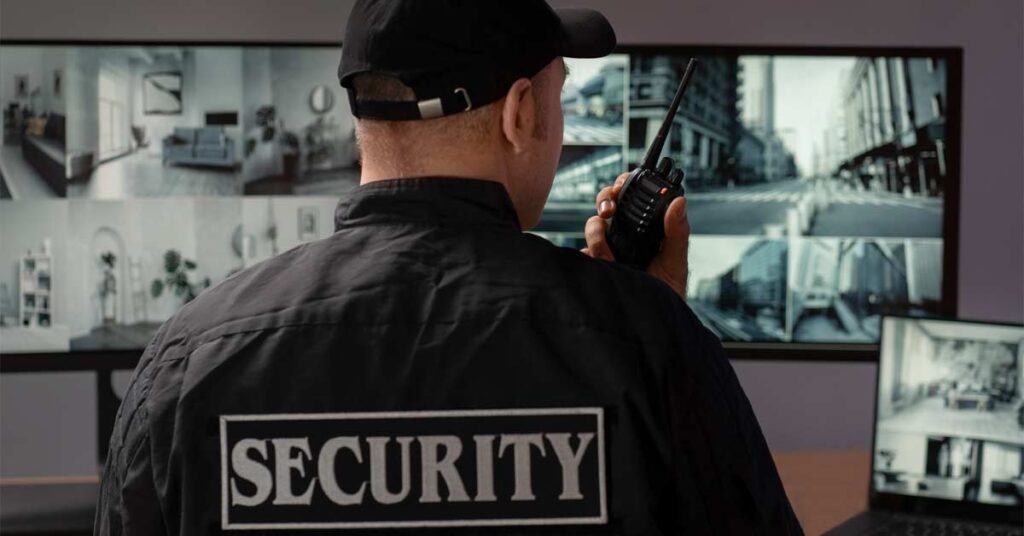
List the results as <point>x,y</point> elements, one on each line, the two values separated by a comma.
<point>436,107</point>
<point>431,108</point>
<point>469,103</point>
<point>455,102</point>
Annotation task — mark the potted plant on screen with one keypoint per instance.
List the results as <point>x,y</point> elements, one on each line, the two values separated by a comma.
<point>108,288</point>
<point>178,278</point>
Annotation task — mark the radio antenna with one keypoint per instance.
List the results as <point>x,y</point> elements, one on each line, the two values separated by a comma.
<point>654,151</point>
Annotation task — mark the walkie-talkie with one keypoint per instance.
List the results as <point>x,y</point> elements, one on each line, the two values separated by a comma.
<point>638,227</point>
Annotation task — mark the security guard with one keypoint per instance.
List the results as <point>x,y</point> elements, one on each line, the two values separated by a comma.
<point>430,366</point>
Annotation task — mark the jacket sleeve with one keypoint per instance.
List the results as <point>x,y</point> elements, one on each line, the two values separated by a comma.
<point>128,502</point>
<point>722,462</point>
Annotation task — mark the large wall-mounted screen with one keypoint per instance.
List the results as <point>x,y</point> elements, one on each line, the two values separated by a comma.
<point>817,182</point>
<point>135,176</point>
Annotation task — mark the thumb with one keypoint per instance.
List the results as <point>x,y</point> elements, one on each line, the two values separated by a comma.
<point>670,265</point>
<point>674,248</point>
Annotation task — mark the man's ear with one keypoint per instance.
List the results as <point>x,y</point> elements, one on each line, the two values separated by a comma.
<point>519,115</point>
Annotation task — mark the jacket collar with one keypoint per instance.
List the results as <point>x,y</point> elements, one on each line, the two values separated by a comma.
<point>443,201</point>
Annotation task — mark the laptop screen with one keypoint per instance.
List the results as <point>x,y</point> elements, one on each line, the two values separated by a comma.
<point>950,421</point>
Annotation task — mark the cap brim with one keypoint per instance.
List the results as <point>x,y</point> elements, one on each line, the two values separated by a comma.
<point>585,33</point>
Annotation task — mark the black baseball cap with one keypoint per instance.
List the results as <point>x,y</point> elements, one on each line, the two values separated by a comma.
<point>457,55</point>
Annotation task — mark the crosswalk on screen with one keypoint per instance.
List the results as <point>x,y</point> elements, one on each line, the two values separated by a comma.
<point>133,177</point>
<point>816,184</point>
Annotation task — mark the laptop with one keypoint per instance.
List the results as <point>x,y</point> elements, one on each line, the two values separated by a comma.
<point>948,449</point>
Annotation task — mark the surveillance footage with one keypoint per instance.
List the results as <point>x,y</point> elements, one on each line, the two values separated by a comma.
<point>808,145</point>
<point>813,146</point>
<point>134,177</point>
<point>841,287</point>
<point>951,412</point>
<point>122,122</point>
<point>737,286</point>
<point>815,183</point>
<point>593,101</point>
<point>827,173</point>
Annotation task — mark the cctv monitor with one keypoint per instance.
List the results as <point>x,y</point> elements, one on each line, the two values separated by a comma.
<point>822,182</point>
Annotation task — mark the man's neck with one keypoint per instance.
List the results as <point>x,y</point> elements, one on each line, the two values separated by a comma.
<point>480,167</point>
<point>469,167</point>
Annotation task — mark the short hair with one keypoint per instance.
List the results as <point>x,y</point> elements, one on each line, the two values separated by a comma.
<point>385,137</point>
<point>379,87</point>
<point>458,128</point>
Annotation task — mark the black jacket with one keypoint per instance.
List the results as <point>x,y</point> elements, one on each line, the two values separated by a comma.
<point>429,297</point>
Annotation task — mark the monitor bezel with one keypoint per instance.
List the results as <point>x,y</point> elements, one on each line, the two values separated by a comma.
<point>821,352</point>
<point>932,506</point>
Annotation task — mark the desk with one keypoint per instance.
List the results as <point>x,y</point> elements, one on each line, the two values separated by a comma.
<point>825,487</point>
<point>48,505</point>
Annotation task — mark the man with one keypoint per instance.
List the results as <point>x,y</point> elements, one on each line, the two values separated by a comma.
<point>430,365</point>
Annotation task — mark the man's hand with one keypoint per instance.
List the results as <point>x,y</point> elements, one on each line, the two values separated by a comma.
<point>670,265</point>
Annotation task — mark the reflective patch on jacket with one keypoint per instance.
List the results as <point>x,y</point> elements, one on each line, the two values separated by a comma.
<point>500,467</point>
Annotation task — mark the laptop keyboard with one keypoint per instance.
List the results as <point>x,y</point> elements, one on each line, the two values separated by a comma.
<point>924,526</point>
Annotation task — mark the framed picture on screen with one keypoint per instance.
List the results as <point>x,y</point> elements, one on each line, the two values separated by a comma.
<point>161,93</point>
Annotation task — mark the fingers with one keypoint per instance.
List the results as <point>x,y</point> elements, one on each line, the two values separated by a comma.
<point>597,244</point>
<point>606,198</point>
<point>671,263</point>
<point>596,227</point>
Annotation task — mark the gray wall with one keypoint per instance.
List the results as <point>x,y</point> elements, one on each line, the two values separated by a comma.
<point>800,405</point>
